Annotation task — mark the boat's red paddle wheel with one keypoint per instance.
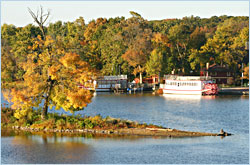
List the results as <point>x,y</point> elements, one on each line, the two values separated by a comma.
<point>211,89</point>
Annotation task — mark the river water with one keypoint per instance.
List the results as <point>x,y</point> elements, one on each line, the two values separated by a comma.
<point>191,113</point>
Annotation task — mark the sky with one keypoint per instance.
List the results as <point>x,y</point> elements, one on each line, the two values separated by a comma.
<point>16,12</point>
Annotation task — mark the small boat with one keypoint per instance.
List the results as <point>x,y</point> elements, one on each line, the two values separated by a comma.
<point>190,85</point>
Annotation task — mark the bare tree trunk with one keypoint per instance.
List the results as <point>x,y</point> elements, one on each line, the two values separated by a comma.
<point>140,74</point>
<point>159,77</point>
<point>45,109</point>
<point>140,78</point>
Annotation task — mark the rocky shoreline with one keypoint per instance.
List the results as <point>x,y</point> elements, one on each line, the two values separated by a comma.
<point>165,132</point>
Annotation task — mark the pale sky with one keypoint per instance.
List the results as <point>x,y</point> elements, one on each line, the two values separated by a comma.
<point>16,12</point>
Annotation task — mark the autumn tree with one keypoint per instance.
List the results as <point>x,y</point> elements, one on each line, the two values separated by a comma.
<point>51,79</point>
<point>224,48</point>
<point>14,46</point>
<point>8,64</point>
<point>91,43</point>
<point>138,40</point>
<point>246,72</point>
<point>51,76</point>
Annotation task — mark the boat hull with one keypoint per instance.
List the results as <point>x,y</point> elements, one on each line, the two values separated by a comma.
<point>183,92</point>
<point>103,89</point>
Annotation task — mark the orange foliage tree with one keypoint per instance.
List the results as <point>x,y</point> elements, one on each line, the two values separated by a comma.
<point>51,78</point>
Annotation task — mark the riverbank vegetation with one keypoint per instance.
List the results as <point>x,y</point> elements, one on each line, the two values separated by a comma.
<point>64,122</point>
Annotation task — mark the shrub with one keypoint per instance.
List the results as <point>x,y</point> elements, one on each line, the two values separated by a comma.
<point>88,123</point>
<point>60,123</point>
<point>80,124</point>
<point>71,120</point>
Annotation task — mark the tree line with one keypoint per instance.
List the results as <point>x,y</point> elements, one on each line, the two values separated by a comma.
<point>135,46</point>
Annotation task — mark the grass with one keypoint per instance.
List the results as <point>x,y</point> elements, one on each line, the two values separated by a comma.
<point>62,122</point>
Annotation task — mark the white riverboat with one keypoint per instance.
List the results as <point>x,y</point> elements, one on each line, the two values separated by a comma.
<point>191,85</point>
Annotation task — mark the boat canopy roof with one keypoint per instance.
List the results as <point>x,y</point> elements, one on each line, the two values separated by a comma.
<point>118,77</point>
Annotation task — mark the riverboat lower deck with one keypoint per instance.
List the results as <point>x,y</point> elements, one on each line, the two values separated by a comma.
<point>190,85</point>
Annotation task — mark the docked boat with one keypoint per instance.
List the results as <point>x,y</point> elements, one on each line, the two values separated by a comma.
<point>191,85</point>
<point>109,83</point>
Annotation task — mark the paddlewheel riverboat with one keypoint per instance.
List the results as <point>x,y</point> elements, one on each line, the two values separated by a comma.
<point>194,85</point>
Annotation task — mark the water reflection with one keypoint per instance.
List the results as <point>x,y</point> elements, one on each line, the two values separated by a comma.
<point>46,149</point>
<point>181,97</point>
<point>209,97</point>
<point>78,149</point>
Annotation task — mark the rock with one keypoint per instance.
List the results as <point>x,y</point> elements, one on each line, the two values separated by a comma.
<point>223,133</point>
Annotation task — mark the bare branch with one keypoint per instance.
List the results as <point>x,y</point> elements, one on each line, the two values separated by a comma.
<point>40,19</point>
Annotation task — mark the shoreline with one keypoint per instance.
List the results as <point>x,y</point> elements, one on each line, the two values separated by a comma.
<point>92,124</point>
<point>234,91</point>
<point>151,132</point>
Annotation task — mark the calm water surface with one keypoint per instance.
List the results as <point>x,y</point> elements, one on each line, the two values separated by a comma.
<point>207,114</point>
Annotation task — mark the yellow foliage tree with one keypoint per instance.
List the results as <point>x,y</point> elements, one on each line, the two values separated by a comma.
<point>246,73</point>
<point>51,78</point>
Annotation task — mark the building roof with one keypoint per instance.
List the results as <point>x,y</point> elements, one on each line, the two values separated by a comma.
<point>216,68</point>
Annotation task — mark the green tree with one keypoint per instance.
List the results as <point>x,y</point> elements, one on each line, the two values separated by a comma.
<point>112,47</point>
<point>154,64</point>
<point>179,36</point>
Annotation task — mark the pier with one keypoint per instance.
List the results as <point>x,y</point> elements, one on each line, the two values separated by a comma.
<point>234,91</point>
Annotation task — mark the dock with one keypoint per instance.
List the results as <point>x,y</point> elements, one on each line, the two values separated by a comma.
<point>234,91</point>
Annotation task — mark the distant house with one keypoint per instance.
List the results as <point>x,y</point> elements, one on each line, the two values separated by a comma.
<point>151,80</point>
<point>219,74</point>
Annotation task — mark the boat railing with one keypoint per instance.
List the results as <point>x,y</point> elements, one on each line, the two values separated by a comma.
<point>189,78</point>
